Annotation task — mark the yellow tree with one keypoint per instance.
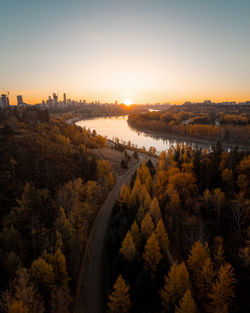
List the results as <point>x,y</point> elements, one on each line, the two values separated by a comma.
<point>58,262</point>
<point>162,236</point>
<point>22,296</point>
<point>128,249</point>
<point>175,201</point>
<point>186,304</point>
<point>132,200</point>
<point>197,257</point>
<point>176,283</point>
<point>124,194</point>
<point>140,214</point>
<point>119,300</point>
<point>136,234</point>
<point>205,282</point>
<point>152,255</point>
<point>147,226</point>
<point>17,307</point>
<point>222,291</point>
<point>144,197</point>
<point>43,273</point>
<point>154,210</point>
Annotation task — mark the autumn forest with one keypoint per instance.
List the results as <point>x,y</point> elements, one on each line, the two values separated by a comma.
<point>177,237</point>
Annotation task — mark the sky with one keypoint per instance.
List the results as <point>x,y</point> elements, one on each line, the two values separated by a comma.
<point>144,50</point>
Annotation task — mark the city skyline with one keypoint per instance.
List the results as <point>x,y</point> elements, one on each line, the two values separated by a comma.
<point>147,51</point>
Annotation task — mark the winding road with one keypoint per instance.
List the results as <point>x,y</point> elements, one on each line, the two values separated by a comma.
<point>88,295</point>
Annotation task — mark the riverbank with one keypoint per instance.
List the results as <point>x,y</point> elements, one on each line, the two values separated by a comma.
<point>188,140</point>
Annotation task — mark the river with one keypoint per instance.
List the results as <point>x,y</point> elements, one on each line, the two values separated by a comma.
<point>117,127</point>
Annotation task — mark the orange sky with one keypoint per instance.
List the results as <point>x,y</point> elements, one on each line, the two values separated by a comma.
<point>148,51</point>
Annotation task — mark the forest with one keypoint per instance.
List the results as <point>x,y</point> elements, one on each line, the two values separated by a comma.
<point>179,237</point>
<point>51,190</point>
<point>228,124</point>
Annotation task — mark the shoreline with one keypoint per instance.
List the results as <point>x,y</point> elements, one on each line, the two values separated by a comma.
<point>160,135</point>
<point>187,139</point>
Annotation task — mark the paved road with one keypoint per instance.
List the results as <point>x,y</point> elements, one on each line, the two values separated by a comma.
<point>88,295</point>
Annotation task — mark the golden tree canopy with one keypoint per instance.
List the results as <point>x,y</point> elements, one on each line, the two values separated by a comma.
<point>119,300</point>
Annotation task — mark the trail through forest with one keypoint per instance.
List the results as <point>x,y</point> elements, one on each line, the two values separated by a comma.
<point>88,295</point>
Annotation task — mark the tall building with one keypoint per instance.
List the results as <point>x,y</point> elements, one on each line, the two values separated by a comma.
<point>19,100</point>
<point>4,101</point>
<point>64,98</point>
<point>55,99</point>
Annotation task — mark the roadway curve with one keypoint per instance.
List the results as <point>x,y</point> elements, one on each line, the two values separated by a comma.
<point>88,295</point>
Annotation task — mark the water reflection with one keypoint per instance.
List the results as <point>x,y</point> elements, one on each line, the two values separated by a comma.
<point>117,127</point>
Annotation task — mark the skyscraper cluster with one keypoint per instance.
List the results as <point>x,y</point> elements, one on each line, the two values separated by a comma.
<point>4,101</point>
<point>54,102</point>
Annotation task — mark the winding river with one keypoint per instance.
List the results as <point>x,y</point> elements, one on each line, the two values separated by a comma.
<point>117,127</point>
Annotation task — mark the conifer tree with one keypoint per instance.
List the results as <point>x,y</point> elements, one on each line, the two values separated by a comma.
<point>17,307</point>
<point>154,210</point>
<point>162,236</point>
<point>140,214</point>
<point>58,262</point>
<point>124,194</point>
<point>22,296</point>
<point>60,300</point>
<point>197,257</point>
<point>176,283</point>
<point>219,252</point>
<point>152,255</point>
<point>43,274</point>
<point>132,201</point>
<point>205,281</point>
<point>147,226</point>
<point>119,300</point>
<point>136,234</point>
<point>222,290</point>
<point>186,304</point>
<point>128,249</point>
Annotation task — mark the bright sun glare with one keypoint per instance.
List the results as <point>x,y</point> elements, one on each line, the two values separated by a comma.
<point>128,102</point>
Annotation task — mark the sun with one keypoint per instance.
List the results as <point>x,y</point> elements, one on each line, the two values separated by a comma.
<point>128,102</point>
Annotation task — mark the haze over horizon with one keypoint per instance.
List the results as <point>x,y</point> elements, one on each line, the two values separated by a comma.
<point>147,51</point>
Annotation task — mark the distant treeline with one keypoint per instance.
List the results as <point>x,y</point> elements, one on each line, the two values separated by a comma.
<point>179,236</point>
<point>26,115</point>
<point>229,126</point>
<point>51,190</point>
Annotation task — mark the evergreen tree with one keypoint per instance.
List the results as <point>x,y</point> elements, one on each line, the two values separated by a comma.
<point>176,283</point>
<point>124,194</point>
<point>17,307</point>
<point>219,252</point>
<point>43,274</point>
<point>197,257</point>
<point>128,249</point>
<point>22,295</point>
<point>140,214</point>
<point>154,210</point>
<point>162,237</point>
<point>186,304</point>
<point>152,255</point>
<point>222,291</point>
<point>136,234</point>
<point>204,283</point>
<point>119,300</point>
<point>147,226</point>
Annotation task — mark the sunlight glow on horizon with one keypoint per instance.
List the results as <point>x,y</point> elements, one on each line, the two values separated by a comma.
<point>160,51</point>
<point>128,102</point>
